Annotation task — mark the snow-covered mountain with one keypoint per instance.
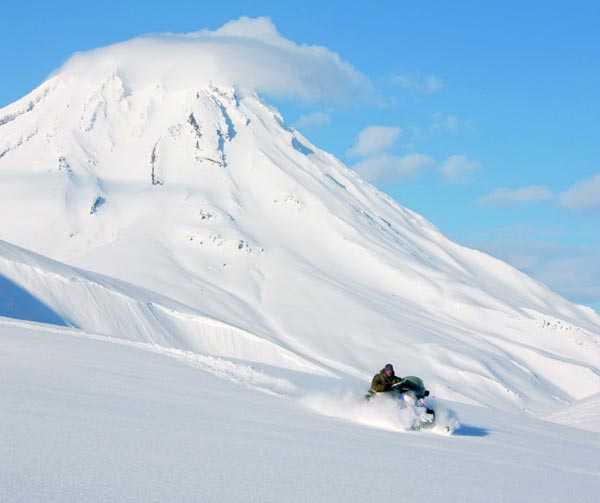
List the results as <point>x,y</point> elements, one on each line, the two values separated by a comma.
<point>162,201</point>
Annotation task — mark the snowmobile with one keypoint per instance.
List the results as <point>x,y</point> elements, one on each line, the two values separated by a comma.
<point>411,390</point>
<point>412,393</point>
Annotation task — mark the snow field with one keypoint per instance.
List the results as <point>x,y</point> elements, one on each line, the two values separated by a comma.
<point>90,419</point>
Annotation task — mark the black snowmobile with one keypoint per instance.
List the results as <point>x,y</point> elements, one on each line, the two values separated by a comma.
<point>412,393</point>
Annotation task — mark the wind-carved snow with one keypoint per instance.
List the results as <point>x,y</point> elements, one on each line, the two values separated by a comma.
<point>13,144</point>
<point>210,105</point>
<point>197,134</point>
<point>112,92</point>
<point>135,314</point>
<point>238,373</point>
<point>28,107</point>
<point>12,116</point>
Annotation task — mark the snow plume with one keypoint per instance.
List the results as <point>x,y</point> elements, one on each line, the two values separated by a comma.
<point>446,420</point>
<point>378,412</point>
<point>247,53</point>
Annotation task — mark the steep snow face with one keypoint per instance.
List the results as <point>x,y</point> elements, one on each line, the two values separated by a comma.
<point>187,184</point>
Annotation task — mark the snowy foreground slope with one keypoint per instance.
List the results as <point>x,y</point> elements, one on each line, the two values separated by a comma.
<point>86,419</point>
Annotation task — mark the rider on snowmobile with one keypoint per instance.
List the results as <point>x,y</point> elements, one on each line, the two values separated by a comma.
<point>384,380</point>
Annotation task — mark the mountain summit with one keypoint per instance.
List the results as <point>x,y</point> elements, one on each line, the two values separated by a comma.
<point>154,162</point>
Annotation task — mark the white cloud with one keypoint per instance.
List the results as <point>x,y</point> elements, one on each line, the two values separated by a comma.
<point>248,53</point>
<point>379,166</point>
<point>449,123</point>
<point>388,168</point>
<point>459,168</point>
<point>374,139</point>
<point>584,195</point>
<point>508,197</point>
<point>418,84</point>
<point>312,120</point>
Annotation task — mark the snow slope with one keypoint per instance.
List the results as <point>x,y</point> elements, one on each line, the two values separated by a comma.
<point>48,291</point>
<point>584,414</point>
<point>87,419</point>
<point>43,290</point>
<point>204,223</point>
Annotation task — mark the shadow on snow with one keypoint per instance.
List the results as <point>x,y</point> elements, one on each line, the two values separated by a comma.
<point>15,302</point>
<point>466,430</point>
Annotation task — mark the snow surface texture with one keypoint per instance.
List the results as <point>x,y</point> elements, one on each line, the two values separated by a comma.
<point>84,419</point>
<point>584,414</point>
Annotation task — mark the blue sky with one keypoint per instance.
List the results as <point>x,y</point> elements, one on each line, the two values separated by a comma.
<point>483,117</point>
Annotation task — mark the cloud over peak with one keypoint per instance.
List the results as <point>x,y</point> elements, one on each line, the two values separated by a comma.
<point>248,53</point>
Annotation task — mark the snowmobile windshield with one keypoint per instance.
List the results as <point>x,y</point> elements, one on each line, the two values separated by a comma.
<point>411,383</point>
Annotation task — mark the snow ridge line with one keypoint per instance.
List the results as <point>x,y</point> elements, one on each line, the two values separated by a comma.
<point>222,368</point>
<point>164,311</point>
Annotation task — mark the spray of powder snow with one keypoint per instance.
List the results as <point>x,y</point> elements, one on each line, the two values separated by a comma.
<point>380,411</point>
<point>446,420</point>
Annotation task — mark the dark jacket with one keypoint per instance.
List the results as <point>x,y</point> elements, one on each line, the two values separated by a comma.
<point>381,382</point>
